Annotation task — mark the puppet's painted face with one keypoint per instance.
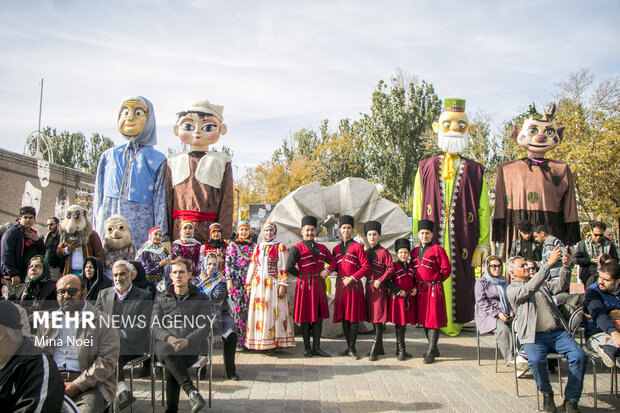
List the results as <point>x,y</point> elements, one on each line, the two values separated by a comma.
<point>117,233</point>
<point>453,131</point>
<point>75,220</point>
<point>538,137</point>
<point>132,118</point>
<point>198,130</point>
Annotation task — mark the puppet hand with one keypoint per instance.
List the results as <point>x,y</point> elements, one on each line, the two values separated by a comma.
<point>480,254</point>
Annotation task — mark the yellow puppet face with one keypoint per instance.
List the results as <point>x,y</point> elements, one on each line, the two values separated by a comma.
<point>453,130</point>
<point>198,130</point>
<point>132,118</point>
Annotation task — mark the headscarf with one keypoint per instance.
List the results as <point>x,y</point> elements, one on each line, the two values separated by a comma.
<point>499,282</point>
<point>240,240</point>
<point>211,280</point>
<point>148,135</point>
<point>188,240</point>
<point>274,240</point>
<point>150,246</point>
<point>99,280</point>
<point>215,243</point>
<point>34,285</point>
<point>140,281</point>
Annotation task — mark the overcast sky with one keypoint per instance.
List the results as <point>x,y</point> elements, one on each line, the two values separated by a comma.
<point>279,66</point>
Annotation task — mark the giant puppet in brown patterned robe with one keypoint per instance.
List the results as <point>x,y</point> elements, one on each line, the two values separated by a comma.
<point>535,189</point>
<point>451,191</point>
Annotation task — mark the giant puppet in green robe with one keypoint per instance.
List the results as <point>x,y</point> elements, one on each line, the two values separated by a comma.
<point>451,191</point>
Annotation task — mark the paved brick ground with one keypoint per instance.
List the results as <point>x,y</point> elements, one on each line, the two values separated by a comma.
<point>288,382</point>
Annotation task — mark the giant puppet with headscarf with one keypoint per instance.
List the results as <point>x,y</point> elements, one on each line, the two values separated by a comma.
<point>535,189</point>
<point>450,190</point>
<point>130,177</point>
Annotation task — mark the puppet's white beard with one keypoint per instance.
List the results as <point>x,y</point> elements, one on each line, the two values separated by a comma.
<point>453,142</point>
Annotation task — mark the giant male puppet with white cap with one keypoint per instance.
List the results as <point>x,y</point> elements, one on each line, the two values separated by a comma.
<point>199,183</point>
<point>130,177</point>
<point>535,189</point>
<point>450,190</point>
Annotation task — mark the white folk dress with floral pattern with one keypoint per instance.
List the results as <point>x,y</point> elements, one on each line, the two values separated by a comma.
<point>270,324</point>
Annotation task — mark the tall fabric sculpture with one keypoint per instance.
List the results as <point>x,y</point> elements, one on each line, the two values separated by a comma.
<point>451,191</point>
<point>130,177</point>
<point>535,189</point>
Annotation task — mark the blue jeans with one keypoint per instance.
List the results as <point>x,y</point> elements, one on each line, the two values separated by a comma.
<point>557,341</point>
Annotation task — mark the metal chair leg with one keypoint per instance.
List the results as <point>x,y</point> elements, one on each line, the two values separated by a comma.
<point>560,379</point>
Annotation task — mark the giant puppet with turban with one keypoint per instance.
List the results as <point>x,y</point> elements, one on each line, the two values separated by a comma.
<point>535,189</point>
<point>450,190</point>
<point>130,177</point>
<point>199,183</point>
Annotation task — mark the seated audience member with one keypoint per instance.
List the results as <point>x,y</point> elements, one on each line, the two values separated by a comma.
<point>85,356</point>
<point>40,292</point>
<point>94,278</point>
<point>212,283</point>
<point>590,249</point>
<point>603,297</point>
<point>525,245</point>
<point>177,346</point>
<point>140,279</point>
<point>127,302</point>
<point>541,328</point>
<point>548,243</point>
<point>493,311</point>
<point>29,379</point>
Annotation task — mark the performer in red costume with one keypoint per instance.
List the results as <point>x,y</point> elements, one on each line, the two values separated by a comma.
<point>381,267</point>
<point>402,303</point>
<point>349,303</point>
<point>432,268</point>
<point>311,263</point>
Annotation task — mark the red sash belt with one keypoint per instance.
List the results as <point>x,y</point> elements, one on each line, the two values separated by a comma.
<point>194,216</point>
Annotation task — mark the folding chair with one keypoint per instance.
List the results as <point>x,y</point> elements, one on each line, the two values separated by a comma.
<point>575,326</point>
<point>478,348</point>
<point>132,364</point>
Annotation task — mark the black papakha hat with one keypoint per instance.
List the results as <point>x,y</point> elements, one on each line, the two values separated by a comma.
<point>308,220</point>
<point>9,315</point>
<point>345,219</point>
<point>372,225</point>
<point>402,243</point>
<point>426,224</point>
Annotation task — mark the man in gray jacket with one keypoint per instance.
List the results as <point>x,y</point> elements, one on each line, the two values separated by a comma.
<point>541,328</point>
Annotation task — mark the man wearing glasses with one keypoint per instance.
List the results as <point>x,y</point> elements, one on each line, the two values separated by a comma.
<point>52,239</point>
<point>19,244</point>
<point>86,352</point>
<point>540,327</point>
<point>590,249</point>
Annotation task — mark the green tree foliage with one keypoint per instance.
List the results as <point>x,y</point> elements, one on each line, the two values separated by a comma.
<point>74,150</point>
<point>397,134</point>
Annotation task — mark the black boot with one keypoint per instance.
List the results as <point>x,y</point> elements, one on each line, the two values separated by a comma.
<point>352,339</point>
<point>346,329</point>
<point>317,328</point>
<point>400,342</point>
<point>380,349</point>
<point>377,342</point>
<point>230,344</point>
<point>433,337</point>
<point>305,333</point>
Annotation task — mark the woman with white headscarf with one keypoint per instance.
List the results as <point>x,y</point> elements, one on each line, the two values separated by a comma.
<point>270,325</point>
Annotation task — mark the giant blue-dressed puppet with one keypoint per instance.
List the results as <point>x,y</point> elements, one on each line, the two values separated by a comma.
<point>130,177</point>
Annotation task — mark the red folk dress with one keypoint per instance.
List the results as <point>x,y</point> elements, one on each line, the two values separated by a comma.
<point>310,295</point>
<point>349,302</point>
<point>434,269</point>
<point>402,310</point>
<point>381,268</point>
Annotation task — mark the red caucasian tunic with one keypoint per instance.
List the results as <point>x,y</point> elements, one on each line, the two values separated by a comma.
<point>402,310</point>
<point>310,296</point>
<point>431,272</point>
<point>349,303</point>
<point>381,267</point>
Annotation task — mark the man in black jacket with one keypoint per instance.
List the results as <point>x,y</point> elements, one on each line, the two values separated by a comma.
<point>51,241</point>
<point>29,379</point>
<point>179,326</point>
<point>525,245</point>
<point>130,307</point>
<point>19,244</point>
